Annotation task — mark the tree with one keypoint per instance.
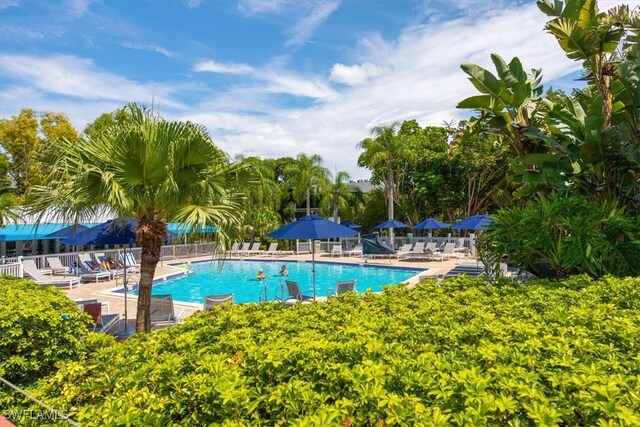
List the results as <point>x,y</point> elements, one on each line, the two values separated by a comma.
<point>105,121</point>
<point>22,135</point>
<point>8,208</point>
<point>340,194</point>
<point>149,169</point>
<point>306,175</point>
<point>386,156</point>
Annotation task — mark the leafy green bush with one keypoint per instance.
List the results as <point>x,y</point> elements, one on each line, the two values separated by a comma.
<point>39,327</point>
<point>544,353</point>
<point>563,235</point>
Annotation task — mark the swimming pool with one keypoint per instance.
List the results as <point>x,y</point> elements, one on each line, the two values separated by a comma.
<point>239,277</point>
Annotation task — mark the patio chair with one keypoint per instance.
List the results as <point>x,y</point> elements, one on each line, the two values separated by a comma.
<point>244,250</point>
<point>101,322</point>
<point>418,251</point>
<point>255,249</point>
<point>471,269</point>
<point>33,267</point>
<point>162,310</point>
<point>85,263</point>
<point>404,251</point>
<point>272,249</point>
<point>37,277</point>
<point>56,266</point>
<point>213,301</point>
<point>342,287</point>
<point>447,252</point>
<point>99,257</point>
<point>336,250</point>
<point>235,247</point>
<point>294,292</point>
<point>355,251</point>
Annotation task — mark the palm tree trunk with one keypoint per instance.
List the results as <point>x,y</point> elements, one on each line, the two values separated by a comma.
<point>335,210</point>
<point>390,207</point>
<point>150,234</point>
<point>308,201</point>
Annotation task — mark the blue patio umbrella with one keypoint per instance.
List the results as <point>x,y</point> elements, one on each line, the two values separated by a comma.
<point>430,224</point>
<point>67,232</point>
<point>350,224</point>
<point>475,222</point>
<point>312,227</point>
<point>392,223</point>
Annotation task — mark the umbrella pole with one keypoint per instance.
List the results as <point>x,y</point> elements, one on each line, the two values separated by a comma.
<point>313,268</point>
<point>125,290</point>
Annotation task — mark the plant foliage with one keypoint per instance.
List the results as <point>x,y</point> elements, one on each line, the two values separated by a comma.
<point>460,353</point>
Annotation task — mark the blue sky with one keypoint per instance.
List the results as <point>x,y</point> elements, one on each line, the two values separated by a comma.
<point>267,77</point>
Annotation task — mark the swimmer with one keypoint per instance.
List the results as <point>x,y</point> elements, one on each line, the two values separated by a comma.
<point>260,275</point>
<point>283,270</point>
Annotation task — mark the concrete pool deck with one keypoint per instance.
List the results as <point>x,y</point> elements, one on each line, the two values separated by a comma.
<point>103,291</point>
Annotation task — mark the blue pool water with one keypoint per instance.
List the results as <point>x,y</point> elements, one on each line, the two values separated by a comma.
<point>239,277</point>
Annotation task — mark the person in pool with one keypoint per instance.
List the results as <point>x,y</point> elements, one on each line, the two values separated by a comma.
<point>283,270</point>
<point>260,275</point>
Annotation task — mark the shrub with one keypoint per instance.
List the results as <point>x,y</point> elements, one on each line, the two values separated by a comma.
<point>39,327</point>
<point>544,353</point>
<point>564,235</point>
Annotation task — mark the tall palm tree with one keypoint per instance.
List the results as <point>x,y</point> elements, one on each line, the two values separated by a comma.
<point>149,169</point>
<point>340,194</point>
<point>386,155</point>
<point>306,175</point>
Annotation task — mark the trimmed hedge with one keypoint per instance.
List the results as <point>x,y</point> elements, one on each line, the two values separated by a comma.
<point>463,353</point>
<point>39,327</point>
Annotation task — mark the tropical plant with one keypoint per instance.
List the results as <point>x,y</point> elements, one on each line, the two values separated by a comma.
<point>457,353</point>
<point>562,234</point>
<point>340,194</point>
<point>386,155</point>
<point>148,169</point>
<point>40,327</point>
<point>8,210</point>
<point>306,176</point>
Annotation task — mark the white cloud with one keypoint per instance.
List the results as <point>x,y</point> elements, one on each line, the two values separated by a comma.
<point>192,4</point>
<point>80,78</point>
<point>354,74</point>
<point>310,21</point>
<point>4,4</point>
<point>77,8</point>
<point>306,16</point>
<point>150,46</point>
<point>223,67</point>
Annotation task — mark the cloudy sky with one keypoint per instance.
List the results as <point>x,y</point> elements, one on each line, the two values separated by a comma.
<point>268,77</point>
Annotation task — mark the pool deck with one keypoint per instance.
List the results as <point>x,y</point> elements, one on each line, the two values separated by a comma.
<point>103,291</point>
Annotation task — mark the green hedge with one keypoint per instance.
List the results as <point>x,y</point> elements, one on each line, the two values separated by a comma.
<point>39,327</point>
<point>463,353</point>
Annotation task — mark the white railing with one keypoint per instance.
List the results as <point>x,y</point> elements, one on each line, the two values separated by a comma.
<point>13,269</point>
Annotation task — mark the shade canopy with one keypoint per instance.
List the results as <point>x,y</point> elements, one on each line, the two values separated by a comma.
<point>430,224</point>
<point>67,232</point>
<point>371,245</point>
<point>350,224</point>
<point>312,227</point>
<point>113,232</point>
<point>475,222</point>
<point>392,223</point>
<point>17,232</point>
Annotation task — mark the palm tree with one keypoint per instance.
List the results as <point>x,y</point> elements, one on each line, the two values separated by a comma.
<point>386,155</point>
<point>340,194</point>
<point>306,175</point>
<point>149,169</point>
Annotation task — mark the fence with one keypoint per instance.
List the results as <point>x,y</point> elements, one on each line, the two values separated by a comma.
<point>13,266</point>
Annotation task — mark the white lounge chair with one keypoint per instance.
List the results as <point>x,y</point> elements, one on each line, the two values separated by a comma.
<point>355,251</point>
<point>33,267</point>
<point>336,250</point>
<point>404,251</point>
<point>56,266</point>
<point>244,250</point>
<point>85,263</point>
<point>234,248</point>
<point>272,249</point>
<point>37,277</point>
<point>418,251</point>
<point>212,301</point>
<point>447,252</point>
<point>255,249</point>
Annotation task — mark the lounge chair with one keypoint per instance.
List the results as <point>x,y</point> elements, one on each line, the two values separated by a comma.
<point>272,249</point>
<point>447,252</point>
<point>471,269</point>
<point>56,266</point>
<point>99,257</point>
<point>255,249</point>
<point>212,301</point>
<point>355,251</point>
<point>345,286</point>
<point>244,250</point>
<point>418,251</point>
<point>404,251</point>
<point>336,250</point>
<point>162,310</point>
<point>130,262</point>
<point>235,247</point>
<point>101,322</point>
<point>293,292</point>
<point>37,277</point>
<point>85,263</point>
<point>33,267</point>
